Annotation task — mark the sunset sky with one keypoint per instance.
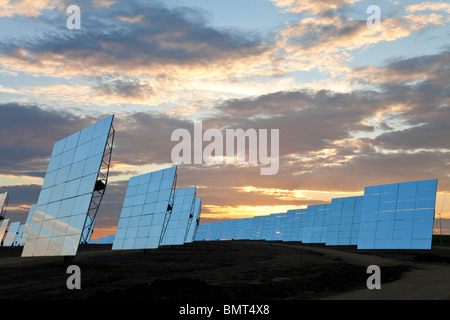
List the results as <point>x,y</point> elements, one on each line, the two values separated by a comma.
<point>355,106</point>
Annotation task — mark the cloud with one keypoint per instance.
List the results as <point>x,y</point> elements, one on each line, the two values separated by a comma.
<point>315,7</point>
<point>36,8</point>
<point>123,89</point>
<point>418,91</point>
<point>308,120</point>
<point>135,53</point>
<point>407,70</point>
<point>29,8</point>
<point>428,5</point>
<point>329,141</point>
<point>156,57</point>
<point>28,134</point>
<point>329,33</point>
<point>161,41</point>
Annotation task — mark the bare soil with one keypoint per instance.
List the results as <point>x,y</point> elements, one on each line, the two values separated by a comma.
<point>228,270</point>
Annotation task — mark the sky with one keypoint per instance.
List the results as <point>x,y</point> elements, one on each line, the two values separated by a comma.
<point>354,105</point>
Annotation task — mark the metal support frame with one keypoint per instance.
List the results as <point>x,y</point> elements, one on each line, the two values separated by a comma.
<point>191,216</point>
<point>197,221</point>
<point>97,195</point>
<point>169,209</point>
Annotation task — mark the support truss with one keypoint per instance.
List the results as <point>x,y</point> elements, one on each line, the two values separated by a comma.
<point>169,209</point>
<point>99,190</point>
<point>191,216</point>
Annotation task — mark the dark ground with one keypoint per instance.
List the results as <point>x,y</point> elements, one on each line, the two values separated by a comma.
<point>228,270</point>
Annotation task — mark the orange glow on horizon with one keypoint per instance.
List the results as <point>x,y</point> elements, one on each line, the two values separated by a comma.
<point>240,212</point>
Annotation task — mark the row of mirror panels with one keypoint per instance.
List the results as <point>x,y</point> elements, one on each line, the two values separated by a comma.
<point>59,216</point>
<point>393,216</point>
<point>399,215</point>
<point>140,218</point>
<point>154,213</point>
<point>56,223</point>
<point>192,228</point>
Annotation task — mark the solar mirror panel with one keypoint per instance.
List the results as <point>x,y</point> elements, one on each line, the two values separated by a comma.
<point>343,223</point>
<point>11,234</point>
<point>216,231</point>
<point>227,230</point>
<point>145,210</point>
<point>182,212</point>
<point>241,226</point>
<point>236,225</point>
<point>355,219</point>
<point>3,201</point>
<point>257,227</point>
<point>272,227</point>
<point>287,226</point>
<point>223,230</point>
<point>266,227</point>
<point>211,231</point>
<point>3,226</point>
<point>65,198</point>
<point>234,229</point>
<point>202,232</point>
<point>278,226</point>
<point>19,240</point>
<point>320,224</point>
<point>245,227</point>
<point>28,223</point>
<point>296,227</point>
<point>398,216</point>
<point>308,224</point>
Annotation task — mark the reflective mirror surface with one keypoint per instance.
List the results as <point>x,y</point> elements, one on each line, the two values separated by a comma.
<point>144,210</point>
<point>391,216</point>
<point>58,218</point>
<point>183,210</point>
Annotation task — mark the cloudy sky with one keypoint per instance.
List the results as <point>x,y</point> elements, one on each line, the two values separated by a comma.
<point>355,106</point>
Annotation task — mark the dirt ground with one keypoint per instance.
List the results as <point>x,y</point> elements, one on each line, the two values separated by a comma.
<point>229,270</point>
